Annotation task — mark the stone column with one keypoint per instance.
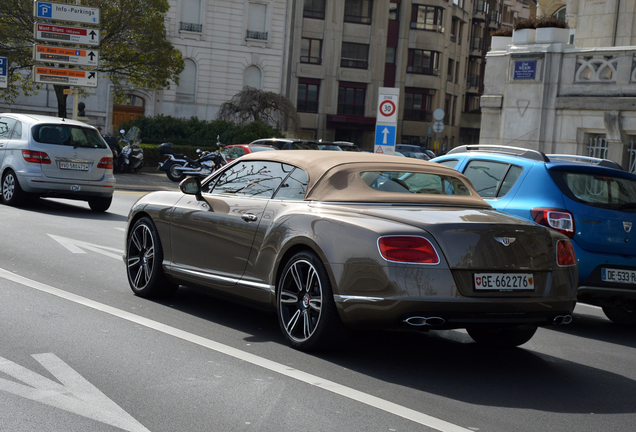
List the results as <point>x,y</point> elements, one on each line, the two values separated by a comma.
<point>617,139</point>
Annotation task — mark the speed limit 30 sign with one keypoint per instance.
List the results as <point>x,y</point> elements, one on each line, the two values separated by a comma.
<point>387,105</point>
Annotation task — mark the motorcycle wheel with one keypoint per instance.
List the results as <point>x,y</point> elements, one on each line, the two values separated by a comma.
<point>173,174</point>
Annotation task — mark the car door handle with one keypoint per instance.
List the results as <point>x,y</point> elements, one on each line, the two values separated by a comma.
<point>249,217</point>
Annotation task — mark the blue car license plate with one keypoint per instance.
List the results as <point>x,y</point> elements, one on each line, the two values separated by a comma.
<point>618,275</point>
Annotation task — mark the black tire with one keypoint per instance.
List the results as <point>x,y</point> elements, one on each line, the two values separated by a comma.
<point>174,175</point>
<point>307,312</point>
<point>502,336</point>
<point>144,258</point>
<point>12,193</point>
<point>621,316</point>
<point>100,204</point>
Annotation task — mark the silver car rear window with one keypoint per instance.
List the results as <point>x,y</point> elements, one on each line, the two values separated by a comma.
<point>75,136</point>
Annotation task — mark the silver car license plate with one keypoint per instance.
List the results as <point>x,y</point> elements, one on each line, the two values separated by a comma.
<point>618,275</point>
<point>504,281</point>
<point>74,166</point>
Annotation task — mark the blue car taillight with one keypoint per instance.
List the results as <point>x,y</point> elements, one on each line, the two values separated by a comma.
<point>560,220</point>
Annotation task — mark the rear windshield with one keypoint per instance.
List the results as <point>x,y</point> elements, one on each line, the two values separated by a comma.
<point>408,182</point>
<point>598,190</point>
<point>75,136</point>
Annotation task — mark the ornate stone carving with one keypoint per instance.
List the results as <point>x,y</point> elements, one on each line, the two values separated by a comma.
<point>596,69</point>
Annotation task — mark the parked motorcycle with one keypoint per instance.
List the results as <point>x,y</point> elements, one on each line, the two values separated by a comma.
<point>131,157</point>
<point>178,166</point>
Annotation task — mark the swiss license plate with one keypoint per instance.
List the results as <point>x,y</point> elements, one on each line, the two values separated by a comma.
<point>618,275</point>
<point>504,281</point>
<point>74,166</point>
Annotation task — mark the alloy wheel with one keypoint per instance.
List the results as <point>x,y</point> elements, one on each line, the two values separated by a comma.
<point>8,187</point>
<point>141,256</point>
<point>300,300</point>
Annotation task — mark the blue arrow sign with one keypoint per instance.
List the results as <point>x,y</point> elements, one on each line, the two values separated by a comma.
<point>3,72</point>
<point>385,135</point>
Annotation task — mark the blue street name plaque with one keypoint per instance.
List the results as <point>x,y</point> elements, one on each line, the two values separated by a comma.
<point>525,69</point>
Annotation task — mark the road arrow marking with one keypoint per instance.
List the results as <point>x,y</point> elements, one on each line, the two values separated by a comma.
<point>78,246</point>
<point>74,394</point>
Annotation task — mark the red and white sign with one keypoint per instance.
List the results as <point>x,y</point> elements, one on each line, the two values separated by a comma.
<point>74,56</point>
<point>63,34</point>
<point>387,105</point>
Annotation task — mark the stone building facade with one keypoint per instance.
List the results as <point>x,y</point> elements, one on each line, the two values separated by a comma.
<point>580,99</point>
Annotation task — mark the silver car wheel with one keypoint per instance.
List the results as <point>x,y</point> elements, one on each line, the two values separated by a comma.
<point>141,257</point>
<point>8,187</point>
<point>300,301</point>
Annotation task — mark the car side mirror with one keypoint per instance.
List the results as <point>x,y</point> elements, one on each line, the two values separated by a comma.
<point>191,186</point>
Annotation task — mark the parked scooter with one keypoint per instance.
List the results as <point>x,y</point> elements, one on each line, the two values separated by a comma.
<point>131,157</point>
<point>178,166</point>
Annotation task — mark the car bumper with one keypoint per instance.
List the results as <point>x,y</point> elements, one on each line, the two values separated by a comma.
<point>62,188</point>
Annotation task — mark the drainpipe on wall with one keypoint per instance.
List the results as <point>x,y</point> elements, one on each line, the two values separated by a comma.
<point>618,8</point>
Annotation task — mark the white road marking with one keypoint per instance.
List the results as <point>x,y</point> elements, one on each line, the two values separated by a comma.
<point>78,246</point>
<point>356,395</point>
<point>75,394</point>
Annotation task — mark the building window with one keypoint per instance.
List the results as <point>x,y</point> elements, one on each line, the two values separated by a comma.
<point>191,16</point>
<point>472,104</point>
<point>423,62</point>
<point>187,82</point>
<point>351,98</point>
<point>253,77</point>
<point>459,3</point>
<point>257,21</point>
<point>560,13</point>
<point>354,55</point>
<point>450,70</point>
<point>447,108</point>
<point>358,11</point>
<point>314,9</point>
<point>390,55</point>
<point>311,51</point>
<point>394,11</point>
<point>428,18</point>
<point>308,92</point>
<point>417,104</point>
<point>457,63</point>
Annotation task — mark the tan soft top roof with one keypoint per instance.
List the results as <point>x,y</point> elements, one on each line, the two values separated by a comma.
<point>335,176</point>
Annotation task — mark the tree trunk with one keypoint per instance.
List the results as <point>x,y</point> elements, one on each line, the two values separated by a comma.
<point>61,100</point>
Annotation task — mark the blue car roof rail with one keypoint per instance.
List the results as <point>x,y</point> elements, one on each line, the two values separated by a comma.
<point>592,160</point>
<point>515,151</point>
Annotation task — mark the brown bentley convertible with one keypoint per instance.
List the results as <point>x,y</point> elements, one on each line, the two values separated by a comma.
<point>333,241</point>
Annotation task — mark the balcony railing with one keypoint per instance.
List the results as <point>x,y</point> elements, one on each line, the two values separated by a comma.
<point>191,27</point>
<point>480,6</point>
<point>357,19</point>
<point>477,43</point>
<point>425,26</point>
<point>316,14</point>
<point>473,80</point>
<point>422,70</point>
<point>312,60</point>
<point>416,114</point>
<point>352,63</point>
<point>256,35</point>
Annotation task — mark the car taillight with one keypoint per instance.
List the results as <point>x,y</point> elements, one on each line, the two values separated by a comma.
<point>36,157</point>
<point>565,253</point>
<point>408,249</point>
<point>105,163</point>
<point>560,220</point>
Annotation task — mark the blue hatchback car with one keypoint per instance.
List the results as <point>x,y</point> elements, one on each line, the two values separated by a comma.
<point>592,201</point>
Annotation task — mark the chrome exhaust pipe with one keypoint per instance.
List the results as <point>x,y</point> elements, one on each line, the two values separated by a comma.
<point>562,319</point>
<point>418,321</point>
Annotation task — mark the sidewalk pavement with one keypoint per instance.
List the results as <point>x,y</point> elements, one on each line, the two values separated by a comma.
<point>148,180</point>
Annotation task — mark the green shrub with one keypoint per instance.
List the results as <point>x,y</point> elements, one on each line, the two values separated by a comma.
<point>198,133</point>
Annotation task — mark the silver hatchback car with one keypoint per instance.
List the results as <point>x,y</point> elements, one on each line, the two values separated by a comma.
<point>54,157</point>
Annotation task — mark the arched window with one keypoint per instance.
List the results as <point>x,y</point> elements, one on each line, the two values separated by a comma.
<point>187,82</point>
<point>560,13</point>
<point>252,77</point>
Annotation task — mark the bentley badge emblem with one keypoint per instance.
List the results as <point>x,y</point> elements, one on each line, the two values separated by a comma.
<point>506,241</point>
<point>627,226</point>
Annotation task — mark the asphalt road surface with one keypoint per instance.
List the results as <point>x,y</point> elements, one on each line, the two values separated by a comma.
<point>79,352</point>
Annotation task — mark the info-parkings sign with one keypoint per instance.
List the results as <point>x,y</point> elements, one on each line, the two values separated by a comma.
<point>64,34</point>
<point>66,12</point>
<point>4,80</point>
<point>74,56</point>
<point>70,77</point>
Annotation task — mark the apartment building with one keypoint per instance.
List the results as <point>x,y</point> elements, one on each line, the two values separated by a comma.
<point>432,50</point>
